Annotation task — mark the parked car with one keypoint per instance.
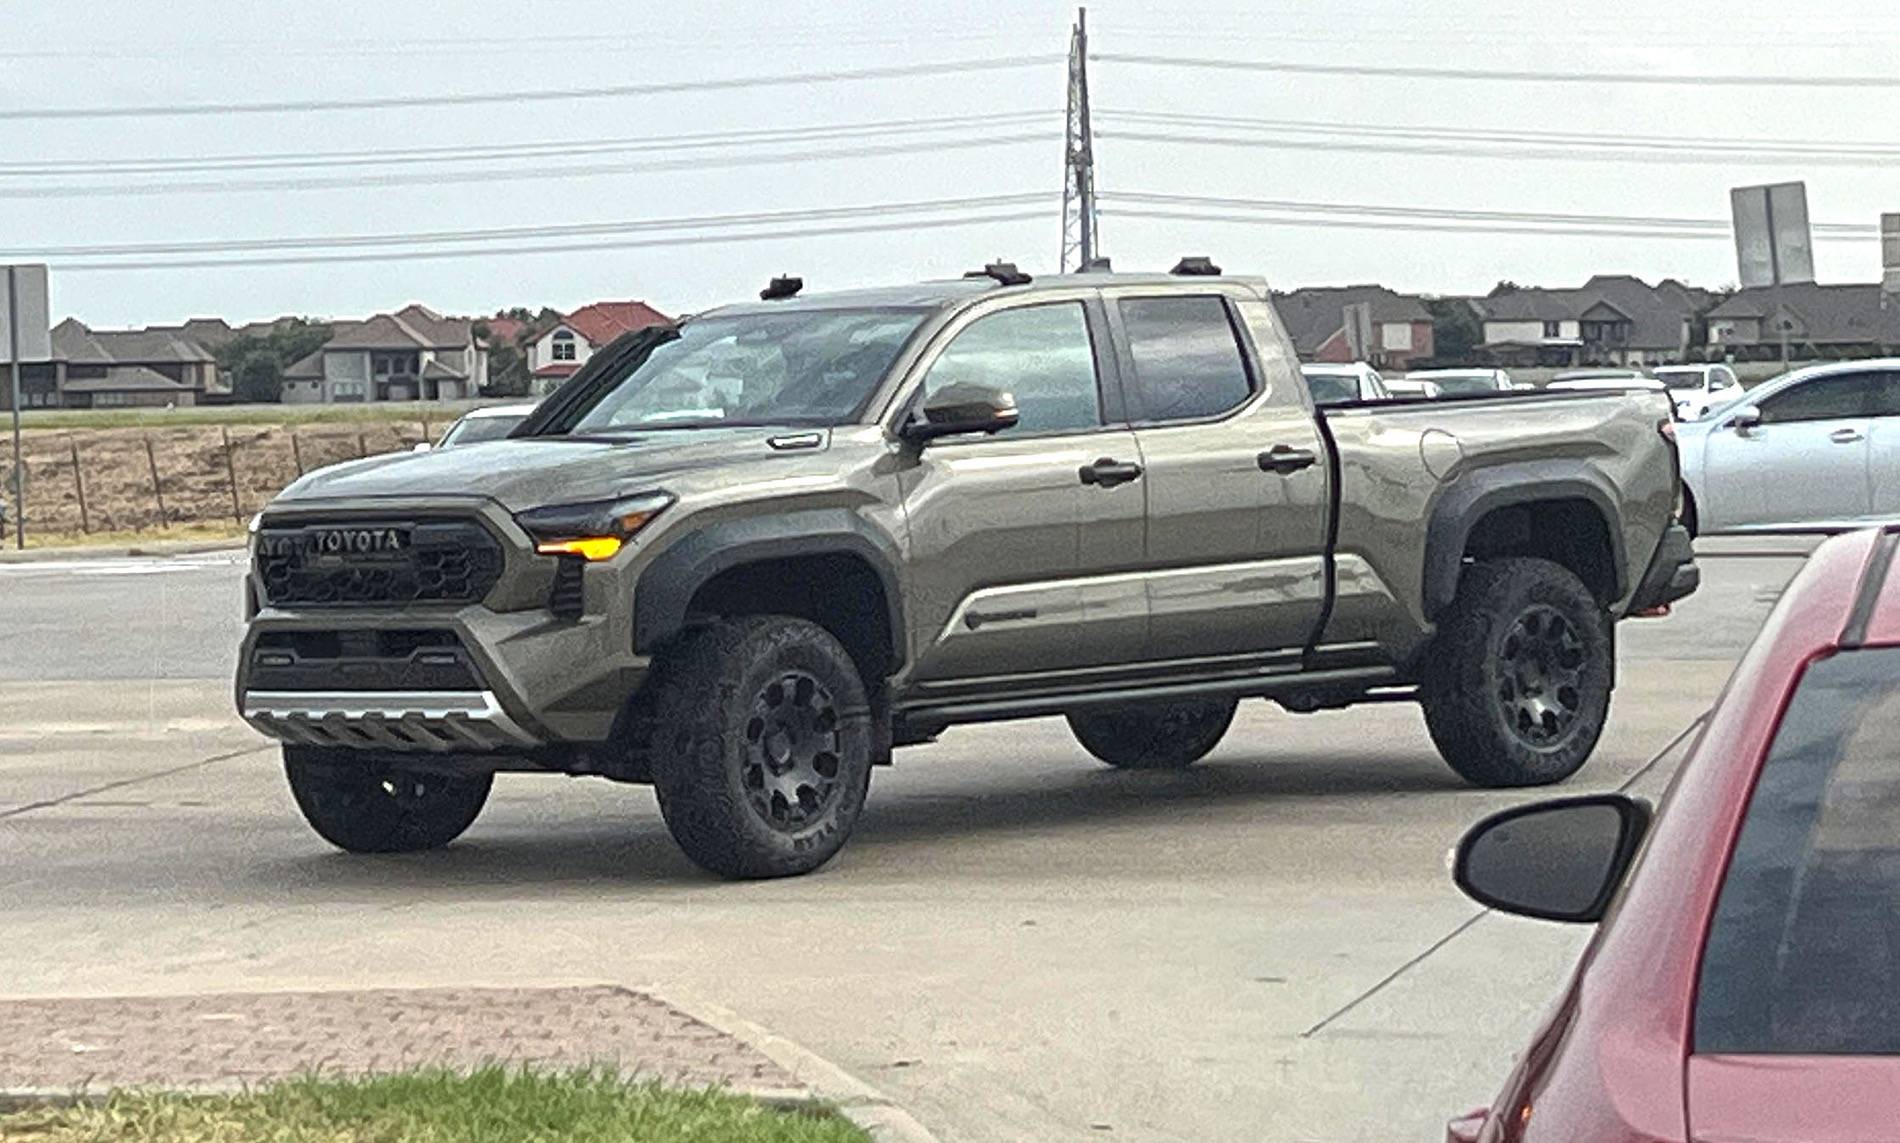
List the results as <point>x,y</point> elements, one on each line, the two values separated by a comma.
<point>488,423</point>
<point>1458,382</point>
<point>1341,384</point>
<point>1698,388</point>
<point>1818,447</point>
<point>1741,981</point>
<point>743,558</point>
<point>1407,387</point>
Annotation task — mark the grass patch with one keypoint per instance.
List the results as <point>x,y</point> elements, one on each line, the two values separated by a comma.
<point>217,530</point>
<point>436,412</point>
<point>436,1106</point>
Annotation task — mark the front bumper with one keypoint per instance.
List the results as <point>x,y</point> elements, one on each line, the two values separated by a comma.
<point>1672,572</point>
<point>441,722</point>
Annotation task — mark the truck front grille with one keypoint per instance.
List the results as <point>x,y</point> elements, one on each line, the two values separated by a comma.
<point>377,564</point>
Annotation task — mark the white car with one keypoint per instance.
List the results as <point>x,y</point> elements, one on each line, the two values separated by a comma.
<point>1698,388</point>
<point>1337,384</point>
<point>1457,382</point>
<point>1412,387</point>
<point>1818,448</point>
<point>488,423</point>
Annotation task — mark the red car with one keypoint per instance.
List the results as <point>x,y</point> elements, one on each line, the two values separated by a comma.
<point>1745,981</point>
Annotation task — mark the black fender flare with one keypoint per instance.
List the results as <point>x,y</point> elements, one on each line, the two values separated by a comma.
<point>1469,498</point>
<point>666,588</point>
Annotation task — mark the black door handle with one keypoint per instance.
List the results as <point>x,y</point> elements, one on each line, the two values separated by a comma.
<point>1108,472</point>
<point>1284,460</point>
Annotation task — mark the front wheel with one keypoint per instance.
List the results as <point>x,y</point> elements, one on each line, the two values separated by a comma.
<point>1154,736</point>
<point>363,806</point>
<point>1517,687</point>
<point>762,745</point>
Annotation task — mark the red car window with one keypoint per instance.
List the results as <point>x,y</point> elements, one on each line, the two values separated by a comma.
<point>1803,955</point>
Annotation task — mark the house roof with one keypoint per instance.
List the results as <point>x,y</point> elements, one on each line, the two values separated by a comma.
<point>412,327</point>
<point>436,371</point>
<point>309,367</point>
<point>1314,314</point>
<point>1655,313</point>
<point>504,330</point>
<point>557,369</point>
<point>73,340</point>
<point>127,379</point>
<point>601,322</point>
<point>1835,313</point>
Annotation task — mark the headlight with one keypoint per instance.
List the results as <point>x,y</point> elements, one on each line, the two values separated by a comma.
<point>592,531</point>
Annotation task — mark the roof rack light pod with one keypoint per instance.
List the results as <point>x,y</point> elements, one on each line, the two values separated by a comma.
<point>1004,274</point>
<point>1098,265</point>
<point>1196,266</point>
<point>781,287</point>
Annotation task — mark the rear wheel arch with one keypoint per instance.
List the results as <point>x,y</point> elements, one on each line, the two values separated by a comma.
<point>1565,514</point>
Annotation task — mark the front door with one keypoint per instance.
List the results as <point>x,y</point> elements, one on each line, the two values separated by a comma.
<point>1017,538</point>
<point>1806,462</point>
<point>1237,484</point>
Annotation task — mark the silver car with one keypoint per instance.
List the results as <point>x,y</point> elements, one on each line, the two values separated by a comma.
<point>1818,447</point>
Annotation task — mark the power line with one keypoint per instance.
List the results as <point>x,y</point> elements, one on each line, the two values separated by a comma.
<point>537,174</point>
<point>514,233</point>
<point>1427,225</point>
<point>1388,71</point>
<point>557,248</point>
<point>1633,223</point>
<point>540,149</point>
<point>466,99</point>
<point>1500,135</point>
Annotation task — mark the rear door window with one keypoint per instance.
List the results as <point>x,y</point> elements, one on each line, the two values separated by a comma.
<point>1188,364</point>
<point>1803,955</point>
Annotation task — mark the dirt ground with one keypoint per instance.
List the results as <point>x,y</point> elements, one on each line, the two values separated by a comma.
<point>136,480</point>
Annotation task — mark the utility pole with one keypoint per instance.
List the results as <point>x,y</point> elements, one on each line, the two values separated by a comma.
<point>13,376</point>
<point>1079,220</point>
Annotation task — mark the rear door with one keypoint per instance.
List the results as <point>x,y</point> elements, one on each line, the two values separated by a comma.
<point>1883,447</point>
<point>1806,462</point>
<point>1236,478</point>
<point>1797,1020</point>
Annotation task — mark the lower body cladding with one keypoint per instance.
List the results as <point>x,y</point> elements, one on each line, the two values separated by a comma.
<point>439,721</point>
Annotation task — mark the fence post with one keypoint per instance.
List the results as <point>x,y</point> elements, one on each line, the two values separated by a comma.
<point>79,486</point>
<point>362,445</point>
<point>230,470</point>
<point>296,452</point>
<point>158,491</point>
<point>425,431</point>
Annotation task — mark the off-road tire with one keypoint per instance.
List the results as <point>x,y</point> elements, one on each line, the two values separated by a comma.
<point>1517,683</point>
<point>369,806</point>
<point>721,735</point>
<point>1154,736</point>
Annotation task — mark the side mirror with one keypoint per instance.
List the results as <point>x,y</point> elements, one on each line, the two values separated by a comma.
<point>1560,860</point>
<point>963,408</point>
<point>1743,420</point>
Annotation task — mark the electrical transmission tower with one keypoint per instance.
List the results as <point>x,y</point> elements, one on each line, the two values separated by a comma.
<point>1079,220</point>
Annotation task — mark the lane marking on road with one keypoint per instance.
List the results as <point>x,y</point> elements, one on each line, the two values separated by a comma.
<point>1465,925</point>
<point>124,782</point>
<point>157,565</point>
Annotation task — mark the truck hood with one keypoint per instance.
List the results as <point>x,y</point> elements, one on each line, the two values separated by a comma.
<point>536,472</point>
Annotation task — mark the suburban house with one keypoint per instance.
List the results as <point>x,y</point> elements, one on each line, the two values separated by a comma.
<point>1613,319</point>
<point>1820,321</point>
<point>1316,321</point>
<point>414,354</point>
<point>565,346</point>
<point>98,369</point>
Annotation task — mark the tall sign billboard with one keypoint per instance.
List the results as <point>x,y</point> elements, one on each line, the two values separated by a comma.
<point>1773,245</point>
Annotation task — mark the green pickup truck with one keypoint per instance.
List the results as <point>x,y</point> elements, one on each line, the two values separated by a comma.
<point>744,558</point>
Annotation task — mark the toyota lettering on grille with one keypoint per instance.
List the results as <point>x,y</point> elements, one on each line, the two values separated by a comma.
<point>338,542</point>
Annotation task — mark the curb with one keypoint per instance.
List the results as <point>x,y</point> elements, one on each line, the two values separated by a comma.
<point>867,1107</point>
<point>116,551</point>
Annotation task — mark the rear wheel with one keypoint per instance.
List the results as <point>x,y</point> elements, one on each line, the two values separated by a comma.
<point>369,806</point>
<point>1154,736</point>
<point>1519,679</point>
<point>762,745</point>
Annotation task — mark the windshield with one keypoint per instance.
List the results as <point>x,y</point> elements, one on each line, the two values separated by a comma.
<point>1465,383</point>
<point>800,367</point>
<point>1680,378</point>
<point>474,430</point>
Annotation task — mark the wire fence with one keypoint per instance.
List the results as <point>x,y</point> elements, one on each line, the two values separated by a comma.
<point>85,481</point>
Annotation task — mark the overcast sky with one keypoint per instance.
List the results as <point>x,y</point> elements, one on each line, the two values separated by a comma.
<point>132,53</point>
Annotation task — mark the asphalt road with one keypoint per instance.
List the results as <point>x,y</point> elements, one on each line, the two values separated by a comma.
<point>1019,944</point>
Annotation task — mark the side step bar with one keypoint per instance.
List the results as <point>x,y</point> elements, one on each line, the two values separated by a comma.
<point>435,721</point>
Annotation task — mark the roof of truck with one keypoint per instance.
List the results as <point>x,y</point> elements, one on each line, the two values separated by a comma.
<point>947,291</point>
